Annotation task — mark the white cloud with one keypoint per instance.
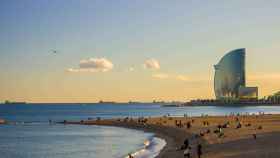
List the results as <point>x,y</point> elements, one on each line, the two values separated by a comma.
<point>93,65</point>
<point>131,69</point>
<point>152,64</point>
<point>173,77</point>
<point>182,78</point>
<point>161,76</point>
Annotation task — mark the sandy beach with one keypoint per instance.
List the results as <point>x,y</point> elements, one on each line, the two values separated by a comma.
<point>246,136</point>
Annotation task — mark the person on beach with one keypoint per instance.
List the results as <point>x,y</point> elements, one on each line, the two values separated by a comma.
<point>255,136</point>
<point>199,150</point>
<point>185,145</point>
<point>180,124</point>
<point>130,156</point>
<point>220,128</point>
<point>189,125</point>
<point>187,152</point>
<point>186,142</point>
<point>239,125</point>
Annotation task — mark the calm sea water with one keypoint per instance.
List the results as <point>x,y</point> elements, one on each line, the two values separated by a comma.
<point>32,136</point>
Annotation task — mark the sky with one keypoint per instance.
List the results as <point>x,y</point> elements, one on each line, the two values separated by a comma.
<point>121,50</point>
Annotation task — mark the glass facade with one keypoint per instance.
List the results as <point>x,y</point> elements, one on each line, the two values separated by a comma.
<point>248,92</point>
<point>230,74</point>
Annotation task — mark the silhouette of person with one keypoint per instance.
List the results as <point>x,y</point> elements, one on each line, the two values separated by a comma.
<point>199,150</point>
<point>130,156</point>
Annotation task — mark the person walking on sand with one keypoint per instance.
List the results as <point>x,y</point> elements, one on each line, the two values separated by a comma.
<point>187,152</point>
<point>186,142</point>
<point>255,135</point>
<point>199,150</point>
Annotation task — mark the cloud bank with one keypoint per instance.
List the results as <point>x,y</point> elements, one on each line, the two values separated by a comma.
<point>152,64</point>
<point>182,78</point>
<point>160,76</point>
<point>93,65</point>
<point>173,77</point>
<point>131,69</point>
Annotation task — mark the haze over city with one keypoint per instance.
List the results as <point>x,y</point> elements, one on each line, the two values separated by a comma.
<point>86,51</point>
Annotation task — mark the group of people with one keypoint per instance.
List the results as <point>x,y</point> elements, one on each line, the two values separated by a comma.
<point>188,151</point>
<point>181,125</point>
<point>142,120</point>
<point>178,123</point>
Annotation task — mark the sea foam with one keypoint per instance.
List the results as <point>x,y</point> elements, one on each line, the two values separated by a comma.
<point>151,149</point>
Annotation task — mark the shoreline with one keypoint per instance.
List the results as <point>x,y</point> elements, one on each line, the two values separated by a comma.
<point>173,137</point>
<point>168,134</point>
<point>152,148</point>
<point>232,142</point>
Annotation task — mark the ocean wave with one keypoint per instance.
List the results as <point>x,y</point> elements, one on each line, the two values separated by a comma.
<point>151,149</point>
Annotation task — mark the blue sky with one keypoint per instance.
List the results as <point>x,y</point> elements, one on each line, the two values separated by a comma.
<point>186,37</point>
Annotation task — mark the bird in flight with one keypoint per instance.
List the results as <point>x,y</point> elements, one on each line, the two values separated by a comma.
<point>54,51</point>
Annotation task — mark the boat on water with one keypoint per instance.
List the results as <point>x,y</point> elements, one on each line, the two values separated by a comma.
<point>172,104</point>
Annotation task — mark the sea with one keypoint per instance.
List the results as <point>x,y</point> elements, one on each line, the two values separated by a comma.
<point>29,133</point>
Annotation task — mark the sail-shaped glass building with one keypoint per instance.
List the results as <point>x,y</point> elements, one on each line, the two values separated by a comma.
<point>230,75</point>
<point>230,78</point>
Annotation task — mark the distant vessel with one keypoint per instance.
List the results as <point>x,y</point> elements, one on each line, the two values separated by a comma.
<point>133,102</point>
<point>172,104</point>
<point>106,102</point>
<point>10,102</point>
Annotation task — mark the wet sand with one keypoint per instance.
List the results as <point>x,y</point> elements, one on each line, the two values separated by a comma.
<point>231,142</point>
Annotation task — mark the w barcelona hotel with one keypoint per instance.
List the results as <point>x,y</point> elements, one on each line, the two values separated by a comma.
<point>230,78</point>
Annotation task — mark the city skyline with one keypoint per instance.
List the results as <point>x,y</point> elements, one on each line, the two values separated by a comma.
<point>86,51</point>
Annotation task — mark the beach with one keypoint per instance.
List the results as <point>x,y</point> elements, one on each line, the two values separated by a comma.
<point>229,136</point>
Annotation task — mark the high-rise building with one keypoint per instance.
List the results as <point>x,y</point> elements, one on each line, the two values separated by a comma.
<point>230,79</point>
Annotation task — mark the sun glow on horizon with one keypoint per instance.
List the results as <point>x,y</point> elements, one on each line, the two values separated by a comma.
<point>132,51</point>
